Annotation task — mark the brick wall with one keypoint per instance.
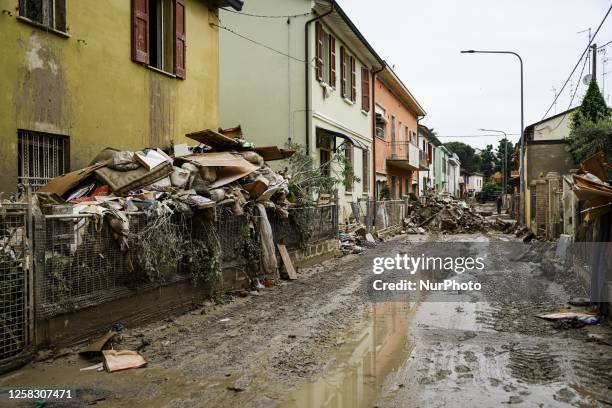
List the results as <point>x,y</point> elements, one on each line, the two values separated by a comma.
<point>315,253</point>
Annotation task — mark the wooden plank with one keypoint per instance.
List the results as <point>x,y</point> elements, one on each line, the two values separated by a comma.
<point>271,153</point>
<point>287,261</point>
<point>214,139</point>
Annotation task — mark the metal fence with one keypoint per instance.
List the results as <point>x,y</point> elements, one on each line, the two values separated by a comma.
<point>81,263</point>
<point>306,225</point>
<point>15,282</point>
<point>380,215</point>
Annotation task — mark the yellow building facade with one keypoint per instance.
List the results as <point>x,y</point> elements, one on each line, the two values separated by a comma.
<point>80,75</point>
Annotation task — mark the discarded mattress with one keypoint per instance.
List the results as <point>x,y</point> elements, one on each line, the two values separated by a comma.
<point>122,182</point>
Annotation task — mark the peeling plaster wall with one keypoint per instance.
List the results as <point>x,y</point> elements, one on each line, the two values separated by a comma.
<point>41,98</point>
<point>88,88</point>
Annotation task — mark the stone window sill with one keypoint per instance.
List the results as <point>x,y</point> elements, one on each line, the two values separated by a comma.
<point>43,27</point>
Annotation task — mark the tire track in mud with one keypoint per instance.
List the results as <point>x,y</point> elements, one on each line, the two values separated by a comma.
<point>511,356</point>
<point>535,365</point>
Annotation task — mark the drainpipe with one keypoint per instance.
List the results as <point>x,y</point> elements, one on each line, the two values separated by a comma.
<point>419,147</point>
<point>307,70</point>
<point>374,73</point>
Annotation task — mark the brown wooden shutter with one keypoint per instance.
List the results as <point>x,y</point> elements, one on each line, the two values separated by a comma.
<point>365,89</point>
<point>140,31</point>
<point>343,72</point>
<point>366,171</point>
<point>349,178</point>
<point>332,60</point>
<point>319,51</point>
<point>180,47</point>
<point>353,80</point>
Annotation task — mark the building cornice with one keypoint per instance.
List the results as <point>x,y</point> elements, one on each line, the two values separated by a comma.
<point>340,126</point>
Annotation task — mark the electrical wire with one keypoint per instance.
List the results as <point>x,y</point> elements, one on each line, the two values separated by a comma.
<point>498,135</point>
<point>578,63</point>
<point>266,16</point>
<point>562,118</point>
<point>223,27</point>
<point>605,45</point>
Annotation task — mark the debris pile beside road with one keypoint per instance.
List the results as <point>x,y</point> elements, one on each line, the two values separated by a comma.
<point>356,241</point>
<point>172,186</point>
<point>220,171</point>
<point>441,212</point>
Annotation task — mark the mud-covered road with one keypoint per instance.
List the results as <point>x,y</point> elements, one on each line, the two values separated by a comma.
<point>321,341</point>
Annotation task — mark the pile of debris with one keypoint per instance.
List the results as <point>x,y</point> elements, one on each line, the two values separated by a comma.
<point>222,170</point>
<point>441,212</point>
<point>355,240</point>
<point>219,171</point>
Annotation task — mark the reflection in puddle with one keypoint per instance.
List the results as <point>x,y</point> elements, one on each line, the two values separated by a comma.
<point>362,363</point>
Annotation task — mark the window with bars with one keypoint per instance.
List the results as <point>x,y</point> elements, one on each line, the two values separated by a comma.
<point>49,13</point>
<point>41,157</point>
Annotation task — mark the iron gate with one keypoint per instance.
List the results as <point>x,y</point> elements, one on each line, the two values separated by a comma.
<point>16,302</point>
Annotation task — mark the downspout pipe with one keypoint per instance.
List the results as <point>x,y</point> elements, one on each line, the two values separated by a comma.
<point>418,172</point>
<point>307,70</point>
<point>374,73</point>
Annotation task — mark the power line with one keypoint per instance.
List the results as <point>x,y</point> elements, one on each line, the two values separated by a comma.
<point>605,45</point>
<point>509,134</point>
<point>578,63</point>
<point>257,42</point>
<point>266,16</point>
<point>562,118</point>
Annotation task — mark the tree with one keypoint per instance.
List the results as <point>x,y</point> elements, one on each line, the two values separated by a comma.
<point>307,179</point>
<point>504,154</point>
<point>593,107</point>
<point>591,127</point>
<point>487,161</point>
<point>470,161</point>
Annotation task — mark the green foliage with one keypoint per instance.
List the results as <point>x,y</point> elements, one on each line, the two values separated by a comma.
<point>347,171</point>
<point>487,161</point>
<point>300,222</point>
<point>307,179</point>
<point>593,107</point>
<point>591,127</point>
<point>385,193</point>
<point>491,188</point>
<point>470,161</point>
<point>504,152</point>
<point>587,138</point>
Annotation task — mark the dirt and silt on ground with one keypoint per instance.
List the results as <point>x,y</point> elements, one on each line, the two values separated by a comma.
<point>321,341</point>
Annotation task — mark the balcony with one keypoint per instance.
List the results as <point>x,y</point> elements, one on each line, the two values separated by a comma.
<point>423,160</point>
<point>404,155</point>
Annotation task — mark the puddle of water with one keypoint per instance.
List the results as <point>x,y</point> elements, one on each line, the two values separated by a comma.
<point>362,363</point>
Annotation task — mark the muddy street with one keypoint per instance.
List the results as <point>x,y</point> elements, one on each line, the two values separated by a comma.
<point>323,341</point>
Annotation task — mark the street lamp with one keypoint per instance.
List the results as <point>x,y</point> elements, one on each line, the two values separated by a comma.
<point>522,180</point>
<point>504,169</point>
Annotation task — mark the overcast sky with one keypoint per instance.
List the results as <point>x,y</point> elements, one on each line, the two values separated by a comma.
<point>464,92</point>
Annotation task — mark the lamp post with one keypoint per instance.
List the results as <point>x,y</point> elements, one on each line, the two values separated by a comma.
<point>522,141</point>
<point>504,166</point>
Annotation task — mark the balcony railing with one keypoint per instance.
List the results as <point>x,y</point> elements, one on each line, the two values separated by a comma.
<point>423,164</point>
<point>403,154</point>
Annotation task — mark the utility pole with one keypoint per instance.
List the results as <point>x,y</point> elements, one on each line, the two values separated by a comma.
<point>604,63</point>
<point>594,73</point>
